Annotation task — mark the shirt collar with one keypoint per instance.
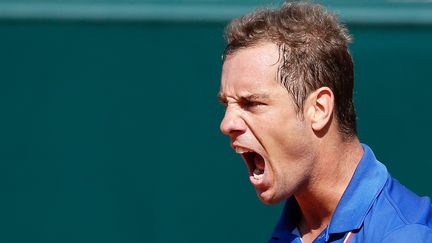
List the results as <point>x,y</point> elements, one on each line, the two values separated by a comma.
<point>365,185</point>
<point>367,182</point>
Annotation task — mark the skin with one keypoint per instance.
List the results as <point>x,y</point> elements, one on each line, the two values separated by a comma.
<point>305,156</point>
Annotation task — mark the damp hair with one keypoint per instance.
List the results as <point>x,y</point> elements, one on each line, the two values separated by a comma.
<point>313,53</point>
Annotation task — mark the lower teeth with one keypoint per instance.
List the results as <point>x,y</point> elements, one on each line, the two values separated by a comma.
<point>258,174</point>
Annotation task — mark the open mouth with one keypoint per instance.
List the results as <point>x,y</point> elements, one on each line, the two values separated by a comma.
<point>254,161</point>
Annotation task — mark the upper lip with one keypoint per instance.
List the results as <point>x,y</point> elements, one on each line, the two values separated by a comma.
<point>246,153</point>
<point>240,149</point>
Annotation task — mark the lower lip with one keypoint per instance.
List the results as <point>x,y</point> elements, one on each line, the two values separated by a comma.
<point>256,182</point>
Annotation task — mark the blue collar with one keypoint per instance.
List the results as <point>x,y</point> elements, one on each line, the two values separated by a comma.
<point>367,182</point>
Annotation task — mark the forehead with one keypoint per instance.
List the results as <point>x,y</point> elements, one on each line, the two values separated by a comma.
<point>250,69</point>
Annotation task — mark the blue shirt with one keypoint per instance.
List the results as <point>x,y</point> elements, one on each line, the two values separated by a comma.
<point>374,208</point>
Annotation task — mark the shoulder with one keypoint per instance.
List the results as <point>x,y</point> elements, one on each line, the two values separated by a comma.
<point>406,205</point>
<point>399,215</point>
<point>411,233</point>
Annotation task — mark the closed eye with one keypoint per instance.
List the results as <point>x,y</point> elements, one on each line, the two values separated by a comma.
<point>250,104</point>
<point>253,101</point>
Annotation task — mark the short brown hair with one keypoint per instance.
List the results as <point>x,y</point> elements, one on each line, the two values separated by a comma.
<point>313,52</point>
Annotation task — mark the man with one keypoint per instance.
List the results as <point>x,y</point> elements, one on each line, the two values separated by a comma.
<point>287,83</point>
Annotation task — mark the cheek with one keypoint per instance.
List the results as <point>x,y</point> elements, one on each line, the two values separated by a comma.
<point>290,153</point>
<point>291,137</point>
<point>283,136</point>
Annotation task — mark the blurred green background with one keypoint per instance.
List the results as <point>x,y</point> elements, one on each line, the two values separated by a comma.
<point>109,126</point>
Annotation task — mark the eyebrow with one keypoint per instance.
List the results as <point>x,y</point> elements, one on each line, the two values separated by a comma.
<point>255,96</point>
<point>222,98</point>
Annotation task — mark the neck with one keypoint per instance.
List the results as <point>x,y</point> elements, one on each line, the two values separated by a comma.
<point>318,199</point>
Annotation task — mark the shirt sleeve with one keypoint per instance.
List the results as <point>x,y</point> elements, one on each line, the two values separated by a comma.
<point>413,233</point>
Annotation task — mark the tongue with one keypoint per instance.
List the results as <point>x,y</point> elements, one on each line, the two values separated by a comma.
<point>259,162</point>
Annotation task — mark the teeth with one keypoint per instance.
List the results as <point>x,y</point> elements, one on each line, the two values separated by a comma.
<point>258,171</point>
<point>258,177</point>
<point>241,150</point>
<point>258,174</point>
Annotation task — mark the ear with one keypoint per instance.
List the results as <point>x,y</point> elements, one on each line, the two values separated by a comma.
<point>321,108</point>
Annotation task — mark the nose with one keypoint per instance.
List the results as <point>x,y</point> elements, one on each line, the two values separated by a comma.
<point>232,123</point>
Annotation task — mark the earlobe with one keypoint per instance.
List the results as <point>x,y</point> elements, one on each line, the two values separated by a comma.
<point>323,105</point>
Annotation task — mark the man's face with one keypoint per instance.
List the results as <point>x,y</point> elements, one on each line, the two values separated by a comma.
<point>261,120</point>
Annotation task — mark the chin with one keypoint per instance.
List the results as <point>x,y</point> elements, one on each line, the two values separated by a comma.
<point>269,198</point>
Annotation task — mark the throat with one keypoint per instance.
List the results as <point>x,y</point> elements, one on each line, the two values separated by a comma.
<point>259,162</point>
<point>259,165</point>
<point>310,233</point>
